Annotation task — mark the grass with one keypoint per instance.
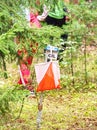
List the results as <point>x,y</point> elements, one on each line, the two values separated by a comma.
<point>61,111</point>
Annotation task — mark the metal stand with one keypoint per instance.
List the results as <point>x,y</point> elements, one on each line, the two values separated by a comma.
<point>40,106</point>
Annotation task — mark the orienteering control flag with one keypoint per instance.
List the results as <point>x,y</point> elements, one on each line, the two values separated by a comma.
<point>47,75</point>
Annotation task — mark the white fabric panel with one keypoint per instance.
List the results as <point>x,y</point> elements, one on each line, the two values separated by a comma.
<point>40,70</point>
<point>56,72</point>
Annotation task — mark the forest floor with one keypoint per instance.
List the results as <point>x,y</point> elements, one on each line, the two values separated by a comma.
<point>62,110</point>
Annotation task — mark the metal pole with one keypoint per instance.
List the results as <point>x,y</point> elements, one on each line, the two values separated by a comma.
<point>40,106</point>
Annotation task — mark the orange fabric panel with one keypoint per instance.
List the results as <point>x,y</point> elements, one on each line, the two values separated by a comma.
<point>48,81</point>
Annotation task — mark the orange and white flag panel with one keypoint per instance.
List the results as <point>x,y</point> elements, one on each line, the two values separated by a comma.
<point>47,75</point>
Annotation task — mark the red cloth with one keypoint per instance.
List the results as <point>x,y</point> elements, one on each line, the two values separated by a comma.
<point>34,20</point>
<point>25,73</point>
<point>28,60</point>
<point>24,68</point>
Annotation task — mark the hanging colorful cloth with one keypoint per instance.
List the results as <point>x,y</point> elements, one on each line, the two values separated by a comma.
<point>48,76</point>
<point>26,61</point>
<point>34,21</point>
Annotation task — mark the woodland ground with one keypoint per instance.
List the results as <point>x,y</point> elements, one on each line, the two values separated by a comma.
<point>62,110</point>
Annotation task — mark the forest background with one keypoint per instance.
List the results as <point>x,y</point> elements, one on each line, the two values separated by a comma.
<point>74,106</point>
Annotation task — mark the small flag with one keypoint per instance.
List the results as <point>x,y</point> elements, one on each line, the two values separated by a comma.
<point>47,75</point>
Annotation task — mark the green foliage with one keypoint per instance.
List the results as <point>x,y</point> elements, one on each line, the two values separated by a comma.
<point>8,95</point>
<point>13,23</point>
<point>61,110</point>
<point>81,27</point>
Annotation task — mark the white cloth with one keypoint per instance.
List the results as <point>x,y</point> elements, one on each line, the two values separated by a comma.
<point>44,14</point>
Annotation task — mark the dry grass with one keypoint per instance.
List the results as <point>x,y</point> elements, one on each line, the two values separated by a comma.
<point>61,111</point>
